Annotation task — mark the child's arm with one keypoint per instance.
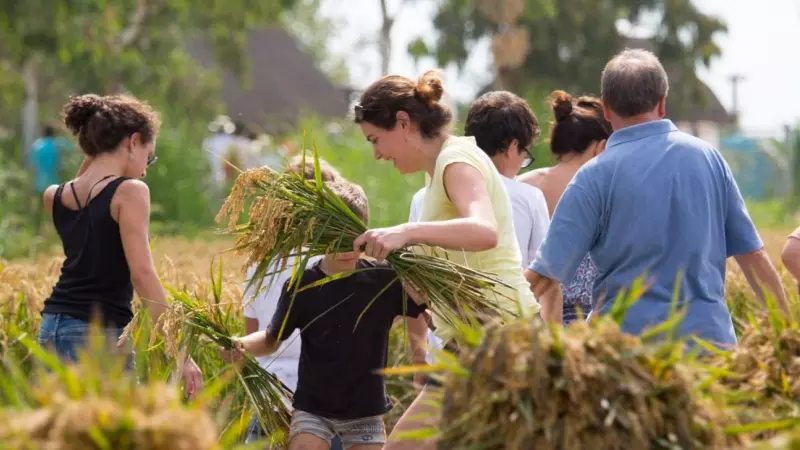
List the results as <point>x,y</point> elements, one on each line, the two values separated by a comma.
<point>266,342</point>
<point>259,343</point>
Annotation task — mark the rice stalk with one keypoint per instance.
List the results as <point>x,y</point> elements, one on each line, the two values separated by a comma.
<point>265,391</point>
<point>291,217</point>
<point>536,385</point>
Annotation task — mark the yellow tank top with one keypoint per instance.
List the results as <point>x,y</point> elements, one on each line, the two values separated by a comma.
<point>505,260</point>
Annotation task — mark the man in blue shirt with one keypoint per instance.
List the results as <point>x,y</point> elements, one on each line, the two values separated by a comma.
<point>657,203</point>
<point>45,159</point>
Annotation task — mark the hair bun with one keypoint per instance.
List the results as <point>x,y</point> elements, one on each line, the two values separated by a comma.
<point>80,109</point>
<point>429,87</point>
<point>561,102</point>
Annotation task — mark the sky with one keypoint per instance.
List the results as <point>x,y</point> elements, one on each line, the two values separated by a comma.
<point>762,45</point>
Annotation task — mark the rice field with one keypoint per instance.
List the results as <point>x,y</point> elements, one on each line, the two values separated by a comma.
<point>95,405</point>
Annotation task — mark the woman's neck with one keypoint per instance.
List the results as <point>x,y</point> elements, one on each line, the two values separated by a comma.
<point>571,162</point>
<point>430,150</point>
<point>105,164</point>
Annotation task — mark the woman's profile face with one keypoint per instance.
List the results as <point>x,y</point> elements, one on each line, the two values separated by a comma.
<point>395,145</point>
<point>141,157</point>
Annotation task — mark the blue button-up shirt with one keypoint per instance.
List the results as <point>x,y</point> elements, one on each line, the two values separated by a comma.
<point>657,203</point>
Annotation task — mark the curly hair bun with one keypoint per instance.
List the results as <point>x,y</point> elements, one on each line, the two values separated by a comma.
<point>429,87</point>
<point>562,105</point>
<point>80,109</point>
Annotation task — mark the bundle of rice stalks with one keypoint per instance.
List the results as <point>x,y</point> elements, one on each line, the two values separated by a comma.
<point>763,373</point>
<point>95,404</point>
<point>290,217</point>
<point>533,385</point>
<point>190,319</point>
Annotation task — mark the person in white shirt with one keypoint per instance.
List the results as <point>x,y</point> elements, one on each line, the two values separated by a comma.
<point>260,306</point>
<point>504,127</point>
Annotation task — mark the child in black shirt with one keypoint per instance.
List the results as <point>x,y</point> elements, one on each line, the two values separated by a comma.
<point>339,391</point>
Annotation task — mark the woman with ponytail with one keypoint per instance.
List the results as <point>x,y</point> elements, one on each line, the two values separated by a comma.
<point>579,133</point>
<point>466,211</point>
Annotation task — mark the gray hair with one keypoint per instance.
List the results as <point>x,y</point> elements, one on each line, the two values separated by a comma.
<point>633,82</point>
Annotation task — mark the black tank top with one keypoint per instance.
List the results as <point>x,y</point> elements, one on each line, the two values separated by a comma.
<point>95,278</point>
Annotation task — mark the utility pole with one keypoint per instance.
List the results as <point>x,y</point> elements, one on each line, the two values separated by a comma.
<point>735,79</point>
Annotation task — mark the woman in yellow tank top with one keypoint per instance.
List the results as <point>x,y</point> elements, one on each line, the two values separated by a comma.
<point>466,209</point>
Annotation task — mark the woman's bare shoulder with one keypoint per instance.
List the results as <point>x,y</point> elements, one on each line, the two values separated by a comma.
<point>534,177</point>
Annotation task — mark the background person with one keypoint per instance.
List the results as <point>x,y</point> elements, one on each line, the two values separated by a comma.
<point>579,133</point>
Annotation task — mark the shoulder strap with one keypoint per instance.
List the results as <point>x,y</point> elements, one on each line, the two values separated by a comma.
<point>75,194</point>
<point>89,195</point>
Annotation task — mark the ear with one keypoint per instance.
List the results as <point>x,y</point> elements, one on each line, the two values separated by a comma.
<point>599,147</point>
<point>513,148</point>
<point>134,140</point>
<point>606,111</point>
<point>403,120</point>
<point>662,107</point>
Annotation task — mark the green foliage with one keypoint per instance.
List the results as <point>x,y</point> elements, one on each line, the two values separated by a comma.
<point>180,182</point>
<point>21,211</point>
<point>133,45</point>
<point>570,42</point>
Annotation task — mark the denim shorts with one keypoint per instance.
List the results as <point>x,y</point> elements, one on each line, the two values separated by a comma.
<point>255,433</point>
<point>368,430</point>
<point>66,335</point>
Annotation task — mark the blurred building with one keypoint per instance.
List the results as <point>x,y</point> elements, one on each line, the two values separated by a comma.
<point>281,84</point>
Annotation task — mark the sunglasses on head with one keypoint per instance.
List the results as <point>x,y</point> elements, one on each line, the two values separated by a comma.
<point>358,112</point>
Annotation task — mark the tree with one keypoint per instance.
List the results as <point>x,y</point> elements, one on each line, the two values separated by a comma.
<point>569,41</point>
<point>312,30</point>
<point>57,47</point>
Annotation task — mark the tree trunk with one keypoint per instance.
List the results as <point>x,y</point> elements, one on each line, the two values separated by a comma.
<point>30,111</point>
<point>385,39</point>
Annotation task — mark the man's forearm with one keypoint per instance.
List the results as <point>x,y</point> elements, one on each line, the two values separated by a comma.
<point>761,275</point>
<point>548,292</point>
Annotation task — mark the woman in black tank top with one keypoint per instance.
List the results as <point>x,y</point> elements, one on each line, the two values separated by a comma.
<point>102,218</point>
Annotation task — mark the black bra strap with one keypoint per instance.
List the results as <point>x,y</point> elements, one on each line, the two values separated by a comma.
<point>89,195</point>
<point>75,194</point>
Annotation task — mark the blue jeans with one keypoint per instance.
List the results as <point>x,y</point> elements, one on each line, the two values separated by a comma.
<point>255,432</point>
<point>67,335</point>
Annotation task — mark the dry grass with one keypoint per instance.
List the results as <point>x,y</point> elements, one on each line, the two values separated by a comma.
<point>186,265</point>
<point>532,385</point>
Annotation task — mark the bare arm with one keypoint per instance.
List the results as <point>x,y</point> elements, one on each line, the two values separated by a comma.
<point>791,255</point>
<point>259,343</point>
<point>762,276</point>
<point>134,223</point>
<point>418,338</point>
<point>548,292</point>
<point>133,200</point>
<point>474,231</point>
